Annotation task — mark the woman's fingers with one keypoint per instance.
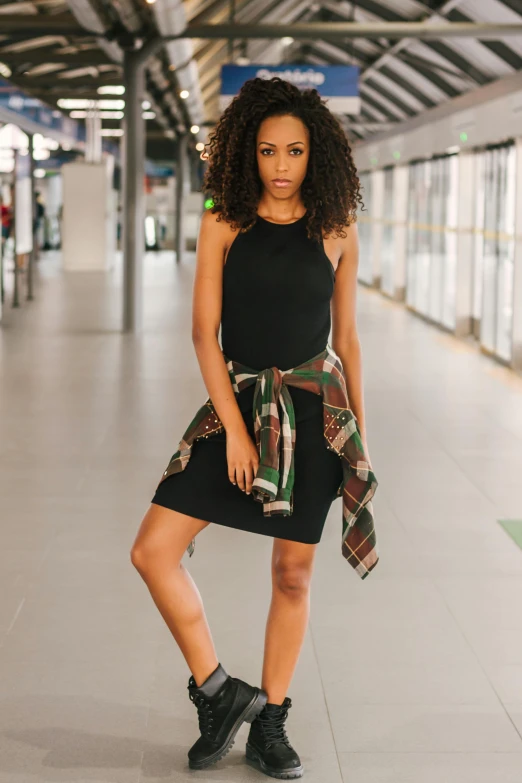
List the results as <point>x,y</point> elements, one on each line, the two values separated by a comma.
<point>244,477</point>
<point>249,478</point>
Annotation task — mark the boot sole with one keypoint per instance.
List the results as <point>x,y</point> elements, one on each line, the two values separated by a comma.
<point>248,715</point>
<point>255,760</point>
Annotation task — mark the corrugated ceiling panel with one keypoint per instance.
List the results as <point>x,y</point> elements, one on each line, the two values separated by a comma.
<point>416,80</point>
<point>393,88</point>
<point>480,56</point>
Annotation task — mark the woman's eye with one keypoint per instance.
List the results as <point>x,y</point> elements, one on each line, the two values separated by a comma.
<point>293,150</point>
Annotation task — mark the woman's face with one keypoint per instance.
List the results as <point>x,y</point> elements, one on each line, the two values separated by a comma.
<point>282,151</point>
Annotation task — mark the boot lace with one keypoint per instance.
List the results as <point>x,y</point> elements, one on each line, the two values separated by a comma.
<point>273,726</point>
<point>205,718</point>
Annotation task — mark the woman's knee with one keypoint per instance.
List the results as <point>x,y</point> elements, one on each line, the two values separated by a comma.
<point>163,538</point>
<point>293,578</point>
<point>145,553</point>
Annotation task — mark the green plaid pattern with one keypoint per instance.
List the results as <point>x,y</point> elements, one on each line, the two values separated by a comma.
<point>275,440</point>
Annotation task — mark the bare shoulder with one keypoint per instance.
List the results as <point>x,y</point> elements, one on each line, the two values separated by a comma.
<point>338,247</point>
<point>218,228</point>
<point>219,232</point>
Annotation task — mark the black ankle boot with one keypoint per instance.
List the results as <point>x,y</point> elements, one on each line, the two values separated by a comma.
<point>223,703</point>
<point>268,748</point>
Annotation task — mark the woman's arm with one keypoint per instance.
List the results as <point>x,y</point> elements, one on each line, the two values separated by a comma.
<point>242,454</point>
<point>212,242</point>
<point>345,340</point>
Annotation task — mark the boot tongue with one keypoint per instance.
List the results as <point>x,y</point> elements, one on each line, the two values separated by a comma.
<point>275,707</point>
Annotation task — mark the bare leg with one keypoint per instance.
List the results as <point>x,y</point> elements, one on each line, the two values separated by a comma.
<point>292,567</point>
<point>157,551</point>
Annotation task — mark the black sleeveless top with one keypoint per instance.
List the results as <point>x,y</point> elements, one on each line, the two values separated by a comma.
<point>277,289</point>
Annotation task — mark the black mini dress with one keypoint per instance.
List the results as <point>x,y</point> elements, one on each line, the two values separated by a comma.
<point>277,290</point>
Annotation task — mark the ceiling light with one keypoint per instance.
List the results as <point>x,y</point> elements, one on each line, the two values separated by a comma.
<point>108,89</point>
<point>184,94</point>
<point>73,103</point>
<point>150,2</point>
<point>111,115</point>
<point>41,154</point>
<point>66,147</point>
<point>146,104</point>
<point>287,40</point>
<point>200,146</point>
<point>111,132</point>
<point>78,114</point>
<point>84,103</point>
<point>39,173</point>
<point>194,128</point>
<point>5,70</point>
<point>110,104</point>
<point>148,115</point>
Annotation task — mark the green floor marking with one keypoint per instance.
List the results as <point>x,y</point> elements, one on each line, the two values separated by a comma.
<point>513,528</point>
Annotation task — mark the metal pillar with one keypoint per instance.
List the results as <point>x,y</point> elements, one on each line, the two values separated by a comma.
<point>181,161</point>
<point>16,287</point>
<point>93,145</point>
<point>133,212</point>
<point>32,254</point>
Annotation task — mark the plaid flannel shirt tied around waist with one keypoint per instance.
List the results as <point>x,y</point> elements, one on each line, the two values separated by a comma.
<point>275,439</point>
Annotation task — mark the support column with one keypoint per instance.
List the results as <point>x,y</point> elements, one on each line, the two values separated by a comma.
<point>93,141</point>
<point>133,208</point>
<point>181,173</point>
<point>33,254</point>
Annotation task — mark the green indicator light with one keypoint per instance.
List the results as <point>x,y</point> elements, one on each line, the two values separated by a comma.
<point>397,155</point>
<point>463,136</point>
<point>209,203</point>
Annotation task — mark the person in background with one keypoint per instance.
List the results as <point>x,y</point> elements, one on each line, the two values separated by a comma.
<point>39,223</point>
<point>7,221</point>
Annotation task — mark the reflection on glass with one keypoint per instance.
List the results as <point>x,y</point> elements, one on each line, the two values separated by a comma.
<point>388,234</point>
<point>432,239</point>
<point>497,192</point>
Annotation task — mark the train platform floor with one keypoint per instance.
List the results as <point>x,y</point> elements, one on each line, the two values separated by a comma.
<point>413,674</point>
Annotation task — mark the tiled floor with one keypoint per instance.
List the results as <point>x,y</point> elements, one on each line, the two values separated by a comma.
<point>414,674</point>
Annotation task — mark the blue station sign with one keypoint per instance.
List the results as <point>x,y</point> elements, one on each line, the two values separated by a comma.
<point>337,84</point>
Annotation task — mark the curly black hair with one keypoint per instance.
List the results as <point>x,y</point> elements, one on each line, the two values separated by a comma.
<point>330,190</point>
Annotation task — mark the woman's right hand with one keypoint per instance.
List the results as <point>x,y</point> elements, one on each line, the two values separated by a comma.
<point>242,459</point>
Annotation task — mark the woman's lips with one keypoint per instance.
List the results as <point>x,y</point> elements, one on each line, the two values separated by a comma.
<point>281,183</point>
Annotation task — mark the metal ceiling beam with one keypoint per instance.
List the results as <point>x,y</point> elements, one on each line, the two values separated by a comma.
<point>41,24</point>
<point>65,25</point>
<point>45,57</point>
<point>47,82</point>
<point>340,30</point>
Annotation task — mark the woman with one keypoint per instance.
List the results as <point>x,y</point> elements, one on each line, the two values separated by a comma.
<point>275,254</point>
